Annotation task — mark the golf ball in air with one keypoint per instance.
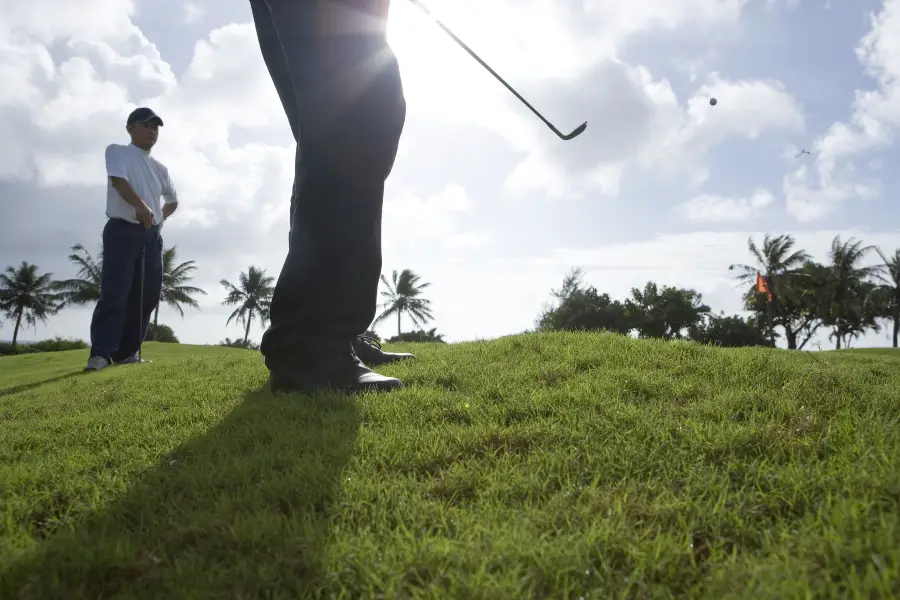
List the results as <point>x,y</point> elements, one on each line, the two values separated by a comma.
<point>712,101</point>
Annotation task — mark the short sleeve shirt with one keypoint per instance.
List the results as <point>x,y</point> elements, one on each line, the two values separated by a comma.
<point>148,177</point>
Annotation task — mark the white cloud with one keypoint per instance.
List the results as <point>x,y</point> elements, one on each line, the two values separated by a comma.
<point>815,191</point>
<point>192,12</point>
<point>22,64</point>
<point>713,208</point>
<point>692,66</point>
<point>412,220</point>
<point>468,240</point>
<point>79,105</point>
<point>46,21</point>
<point>58,111</point>
<point>746,109</point>
<point>635,121</point>
<point>62,113</point>
<point>633,118</point>
<point>563,58</point>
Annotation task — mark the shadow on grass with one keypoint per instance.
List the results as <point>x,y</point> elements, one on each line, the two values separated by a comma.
<point>27,386</point>
<point>241,512</point>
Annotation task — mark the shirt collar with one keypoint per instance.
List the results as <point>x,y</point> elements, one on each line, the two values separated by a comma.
<point>139,149</point>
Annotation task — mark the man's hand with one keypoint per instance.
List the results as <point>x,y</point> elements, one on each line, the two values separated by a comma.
<point>141,210</point>
<point>168,209</point>
<point>144,215</point>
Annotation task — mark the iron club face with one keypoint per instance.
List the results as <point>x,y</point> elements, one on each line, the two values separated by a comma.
<point>576,132</point>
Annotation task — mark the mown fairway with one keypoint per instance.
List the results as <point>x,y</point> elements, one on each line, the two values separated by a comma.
<point>538,466</point>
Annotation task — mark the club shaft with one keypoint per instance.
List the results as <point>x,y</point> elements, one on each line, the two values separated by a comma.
<point>141,301</point>
<point>471,52</point>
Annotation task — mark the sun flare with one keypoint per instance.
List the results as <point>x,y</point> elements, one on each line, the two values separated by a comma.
<point>432,66</point>
<point>436,71</point>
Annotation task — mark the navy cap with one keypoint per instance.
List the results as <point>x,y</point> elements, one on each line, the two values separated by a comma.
<point>142,115</point>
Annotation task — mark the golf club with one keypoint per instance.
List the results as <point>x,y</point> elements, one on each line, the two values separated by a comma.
<point>565,136</point>
<point>141,303</point>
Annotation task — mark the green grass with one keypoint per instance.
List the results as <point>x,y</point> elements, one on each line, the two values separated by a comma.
<point>538,466</point>
<point>895,352</point>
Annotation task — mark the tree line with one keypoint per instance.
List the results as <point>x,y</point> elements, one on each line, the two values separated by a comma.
<point>666,312</point>
<point>28,296</point>
<point>845,296</point>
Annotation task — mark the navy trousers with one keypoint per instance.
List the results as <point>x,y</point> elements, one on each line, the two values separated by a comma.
<point>118,327</point>
<point>326,293</point>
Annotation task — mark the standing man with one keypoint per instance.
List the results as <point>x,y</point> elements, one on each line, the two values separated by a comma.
<point>340,86</point>
<point>136,182</point>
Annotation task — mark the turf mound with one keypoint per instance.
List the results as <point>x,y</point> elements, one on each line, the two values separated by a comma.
<point>535,466</point>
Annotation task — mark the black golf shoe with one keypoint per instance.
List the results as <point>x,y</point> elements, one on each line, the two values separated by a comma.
<point>369,351</point>
<point>342,372</point>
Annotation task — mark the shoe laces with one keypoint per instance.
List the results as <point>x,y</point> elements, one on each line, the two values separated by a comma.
<point>370,341</point>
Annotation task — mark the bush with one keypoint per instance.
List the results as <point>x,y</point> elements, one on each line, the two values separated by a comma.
<point>230,343</point>
<point>730,332</point>
<point>161,333</point>
<point>418,336</point>
<point>56,344</point>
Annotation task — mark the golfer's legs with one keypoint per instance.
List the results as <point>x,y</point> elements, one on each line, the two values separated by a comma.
<point>273,56</point>
<point>276,63</point>
<point>349,96</point>
<point>136,323</point>
<point>121,244</point>
<point>327,290</point>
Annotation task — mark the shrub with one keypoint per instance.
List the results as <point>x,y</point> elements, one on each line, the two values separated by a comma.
<point>161,333</point>
<point>56,344</point>
<point>239,344</point>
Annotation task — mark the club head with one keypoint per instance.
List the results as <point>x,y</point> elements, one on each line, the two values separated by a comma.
<point>576,132</point>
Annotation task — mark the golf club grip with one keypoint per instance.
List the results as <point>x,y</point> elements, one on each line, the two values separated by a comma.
<point>486,66</point>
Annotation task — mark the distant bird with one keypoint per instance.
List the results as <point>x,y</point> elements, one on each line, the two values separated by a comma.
<point>801,153</point>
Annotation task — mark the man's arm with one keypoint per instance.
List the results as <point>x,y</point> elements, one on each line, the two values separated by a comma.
<point>128,194</point>
<point>115,170</point>
<point>170,196</point>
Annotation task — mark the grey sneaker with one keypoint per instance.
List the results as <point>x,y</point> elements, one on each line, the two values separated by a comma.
<point>129,360</point>
<point>95,363</point>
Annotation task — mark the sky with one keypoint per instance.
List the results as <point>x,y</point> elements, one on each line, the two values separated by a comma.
<point>484,202</point>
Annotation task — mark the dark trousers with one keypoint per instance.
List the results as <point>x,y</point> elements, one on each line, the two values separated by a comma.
<point>118,327</point>
<point>344,101</point>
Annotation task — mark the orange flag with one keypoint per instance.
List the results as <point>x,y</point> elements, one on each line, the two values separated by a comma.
<point>762,286</point>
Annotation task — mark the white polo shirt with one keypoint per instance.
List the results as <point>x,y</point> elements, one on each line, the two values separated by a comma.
<point>148,177</point>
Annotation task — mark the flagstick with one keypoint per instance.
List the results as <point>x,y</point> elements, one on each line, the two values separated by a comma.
<point>763,285</point>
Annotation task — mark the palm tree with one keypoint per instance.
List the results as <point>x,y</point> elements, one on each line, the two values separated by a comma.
<point>252,296</point>
<point>847,293</point>
<point>26,294</point>
<point>84,288</point>
<point>404,297</point>
<point>175,292</point>
<point>781,264</point>
<point>776,258</point>
<point>889,290</point>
